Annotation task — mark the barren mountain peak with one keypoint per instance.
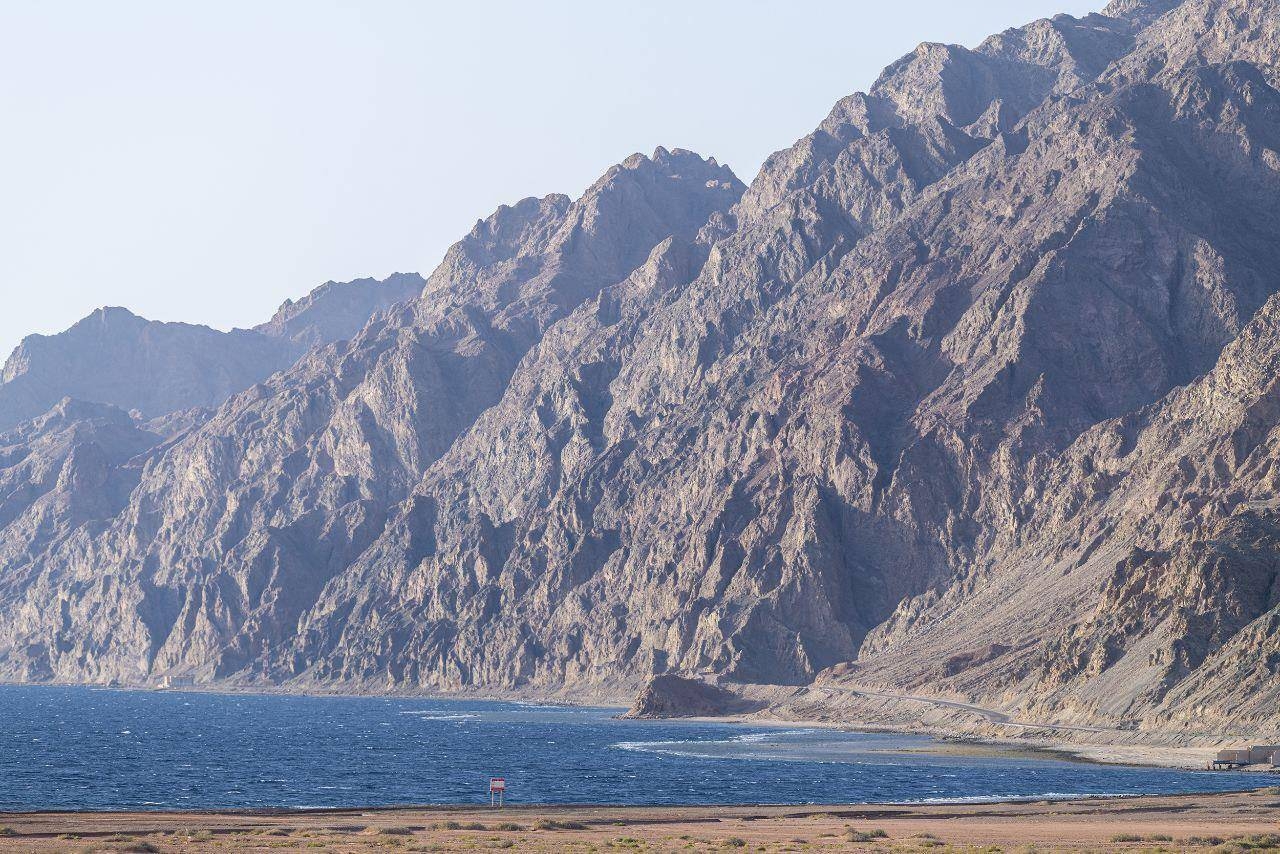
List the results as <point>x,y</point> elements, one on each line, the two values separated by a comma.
<point>1142,12</point>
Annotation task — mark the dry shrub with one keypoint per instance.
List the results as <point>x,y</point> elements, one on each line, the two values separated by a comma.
<point>555,824</point>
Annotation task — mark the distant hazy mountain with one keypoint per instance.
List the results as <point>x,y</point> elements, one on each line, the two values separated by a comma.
<point>972,393</point>
<point>116,357</point>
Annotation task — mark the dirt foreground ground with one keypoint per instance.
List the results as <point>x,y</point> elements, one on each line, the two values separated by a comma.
<point>1222,823</point>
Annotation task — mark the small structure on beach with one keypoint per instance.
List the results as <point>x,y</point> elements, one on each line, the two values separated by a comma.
<point>1258,754</point>
<point>178,682</point>
<point>1230,758</point>
<point>1262,754</point>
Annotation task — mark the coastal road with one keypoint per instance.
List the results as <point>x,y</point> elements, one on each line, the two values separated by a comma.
<point>991,715</point>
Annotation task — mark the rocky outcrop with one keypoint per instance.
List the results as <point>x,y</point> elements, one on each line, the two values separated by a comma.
<point>671,696</point>
<point>117,358</point>
<point>967,395</point>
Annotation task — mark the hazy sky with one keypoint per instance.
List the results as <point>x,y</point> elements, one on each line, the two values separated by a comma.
<point>202,162</point>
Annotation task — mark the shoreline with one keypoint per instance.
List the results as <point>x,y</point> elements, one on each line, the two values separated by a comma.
<point>951,736</point>
<point>957,742</point>
<point>534,807</point>
<point>1067,824</point>
<point>944,744</point>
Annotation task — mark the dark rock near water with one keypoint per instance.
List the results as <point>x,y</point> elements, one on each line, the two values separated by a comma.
<point>672,696</point>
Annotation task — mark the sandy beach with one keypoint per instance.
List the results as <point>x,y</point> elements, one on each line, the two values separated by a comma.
<point>1248,821</point>
<point>963,728</point>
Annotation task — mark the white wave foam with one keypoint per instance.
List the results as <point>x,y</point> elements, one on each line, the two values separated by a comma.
<point>759,737</point>
<point>704,748</point>
<point>429,715</point>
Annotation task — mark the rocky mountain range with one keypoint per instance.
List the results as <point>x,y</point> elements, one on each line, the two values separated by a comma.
<point>972,393</point>
<point>115,357</point>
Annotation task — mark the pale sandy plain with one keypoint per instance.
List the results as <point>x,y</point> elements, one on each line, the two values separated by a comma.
<point>1219,823</point>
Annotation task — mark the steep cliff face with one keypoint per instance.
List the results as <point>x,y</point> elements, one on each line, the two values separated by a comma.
<point>117,358</point>
<point>1121,567</point>
<point>235,527</point>
<point>1153,541</point>
<point>841,414</point>
<point>971,391</point>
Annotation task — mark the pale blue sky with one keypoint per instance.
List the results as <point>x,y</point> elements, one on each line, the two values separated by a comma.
<point>202,162</point>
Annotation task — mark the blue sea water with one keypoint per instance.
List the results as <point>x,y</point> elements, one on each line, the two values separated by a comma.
<point>81,748</point>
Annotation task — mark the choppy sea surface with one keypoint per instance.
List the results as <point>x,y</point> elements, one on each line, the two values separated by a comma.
<point>82,748</point>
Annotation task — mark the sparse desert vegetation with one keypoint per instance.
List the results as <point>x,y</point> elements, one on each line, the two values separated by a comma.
<point>1215,824</point>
